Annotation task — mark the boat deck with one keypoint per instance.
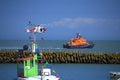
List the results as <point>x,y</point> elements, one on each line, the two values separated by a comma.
<point>114,75</point>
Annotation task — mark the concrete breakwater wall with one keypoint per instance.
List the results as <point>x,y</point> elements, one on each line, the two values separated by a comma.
<point>65,57</point>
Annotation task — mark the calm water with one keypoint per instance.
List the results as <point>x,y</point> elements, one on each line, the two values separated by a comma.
<point>67,71</point>
<point>57,45</point>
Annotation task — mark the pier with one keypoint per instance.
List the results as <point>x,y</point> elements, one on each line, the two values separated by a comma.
<point>64,57</point>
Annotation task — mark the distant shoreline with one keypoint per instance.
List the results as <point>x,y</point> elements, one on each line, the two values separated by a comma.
<point>64,57</point>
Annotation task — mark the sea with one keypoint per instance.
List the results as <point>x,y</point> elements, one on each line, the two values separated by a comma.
<point>66,71</point>
<point>101,46</point>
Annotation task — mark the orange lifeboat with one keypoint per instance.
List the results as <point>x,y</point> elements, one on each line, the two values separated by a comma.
<point>78,42</point>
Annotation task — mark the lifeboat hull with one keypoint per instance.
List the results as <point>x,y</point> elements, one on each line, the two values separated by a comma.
<point>78,46</point>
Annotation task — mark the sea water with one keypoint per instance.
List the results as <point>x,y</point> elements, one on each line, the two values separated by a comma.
<point>67,71</point>
<point>101,46</point>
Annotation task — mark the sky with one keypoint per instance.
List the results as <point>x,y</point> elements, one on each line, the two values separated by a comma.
<point>93,19</point>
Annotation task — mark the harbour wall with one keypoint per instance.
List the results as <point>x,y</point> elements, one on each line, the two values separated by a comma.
<point>63,57</point>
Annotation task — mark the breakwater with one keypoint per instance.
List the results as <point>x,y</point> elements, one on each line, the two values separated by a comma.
<point>64,57</point>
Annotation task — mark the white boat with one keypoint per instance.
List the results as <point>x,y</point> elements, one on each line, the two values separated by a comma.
<point>46,75</point>
<point>114,75</point>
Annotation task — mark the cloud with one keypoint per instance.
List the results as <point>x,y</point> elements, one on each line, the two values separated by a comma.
<point>78,22</point>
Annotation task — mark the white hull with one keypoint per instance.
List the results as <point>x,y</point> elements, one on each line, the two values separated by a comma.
<point>114,75</point>
<point>50,77</point>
